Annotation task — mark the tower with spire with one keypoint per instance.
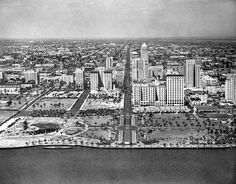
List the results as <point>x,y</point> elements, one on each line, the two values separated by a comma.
<point>144,59</point>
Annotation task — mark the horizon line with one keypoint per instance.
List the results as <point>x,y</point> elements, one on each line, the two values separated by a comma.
<point>125,38</point>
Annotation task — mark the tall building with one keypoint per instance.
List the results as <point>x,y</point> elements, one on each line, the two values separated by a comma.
<point>144,60</point>
<point>175,90</point>
<point>107,80</point>
<point>119,77</point>
<point>109,62</point>
<point>144,94</point>
<point>197,69</point>
<point>161,95</point>
<point>31,75</point>
<point>134,69</point>
<point>189,72</point>
<point>138,69</point>
<point>230,88</point>
<point>144,52</point>
<point>79,78</point>
<point>94,78</point>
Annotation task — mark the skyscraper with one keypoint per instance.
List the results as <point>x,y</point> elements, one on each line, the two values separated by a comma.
<point>144,59</point>
<point>230,88</point>
<point>144,52</point>
<point>144,94</point>
<point>79,78</point>
<point>189,72</point>
<point>94,80</point>
<point>107,80</point>
<point>175,90</point>
<point>138,69</point>
<point>197,69</point>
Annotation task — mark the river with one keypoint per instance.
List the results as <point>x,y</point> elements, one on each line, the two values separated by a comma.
<point>88,165</point>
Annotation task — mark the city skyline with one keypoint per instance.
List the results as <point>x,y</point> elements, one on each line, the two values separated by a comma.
<point>116,19</point>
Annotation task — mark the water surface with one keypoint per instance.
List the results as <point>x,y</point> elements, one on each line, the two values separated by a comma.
<point>88,165</point>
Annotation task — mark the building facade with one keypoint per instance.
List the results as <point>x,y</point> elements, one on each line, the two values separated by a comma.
<point>175,90</point>
<point>31,75</point>
<point>109,62</point>
<point>230,88</point>
<point>94,80</point>
<point>189,73</point>
<point>107,80</point>
<point>79,78</point>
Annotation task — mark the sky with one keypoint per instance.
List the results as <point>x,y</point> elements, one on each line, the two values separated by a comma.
<point>37,19</point>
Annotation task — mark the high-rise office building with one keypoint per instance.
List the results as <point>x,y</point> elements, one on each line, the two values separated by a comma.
<point>109,62</point>
<point>144,52</point>
<point>138,69</point>
<point>197,69</point>
<point>31,75</point>
<point>189,72</point>
<point>79,78</point>
<point>175,90</point>
<point>144,60</point>
<point>94,78</point>
<point>161,95</point>
<point>144,94</point>
<point>107,80</point>
<point>230,88</point>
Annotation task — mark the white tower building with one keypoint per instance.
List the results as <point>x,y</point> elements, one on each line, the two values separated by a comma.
<point>79,78</point>
<point>32,75</point>
<point>107,80</point>
<point>94,80</point>
<point>175,90</point>
<point>230,88</point>
<point>189,72</point>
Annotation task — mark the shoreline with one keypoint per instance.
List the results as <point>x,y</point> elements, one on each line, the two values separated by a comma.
<point>227,146</point>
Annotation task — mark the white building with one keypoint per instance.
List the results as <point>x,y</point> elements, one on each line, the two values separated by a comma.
<point>144,59</point>
<point>189,72</point>
<point>10,89</point>
<point>197,70</point>
<point>67,78</point>
<point>107,80</point>
<point>79,78</point>
<point>94,76</point>
<point>138,69</point>
<point>230,88</point>
<point>161,95</point>
<point>31,75</point>
<point>109,62</point>
<point>175,90</point>
<point>144,94</point>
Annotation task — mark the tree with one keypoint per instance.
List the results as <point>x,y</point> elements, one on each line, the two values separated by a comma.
<point>9,103</point>
<point>25,125</point>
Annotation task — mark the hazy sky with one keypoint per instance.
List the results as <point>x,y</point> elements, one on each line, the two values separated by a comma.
<point>116,18</point>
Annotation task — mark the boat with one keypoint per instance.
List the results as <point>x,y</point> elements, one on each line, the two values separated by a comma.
<point>58,147</point>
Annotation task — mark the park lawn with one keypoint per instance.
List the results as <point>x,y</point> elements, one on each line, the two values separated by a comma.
<point>5,115</point>
<point>52,104</point>
<point>96,120</point>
